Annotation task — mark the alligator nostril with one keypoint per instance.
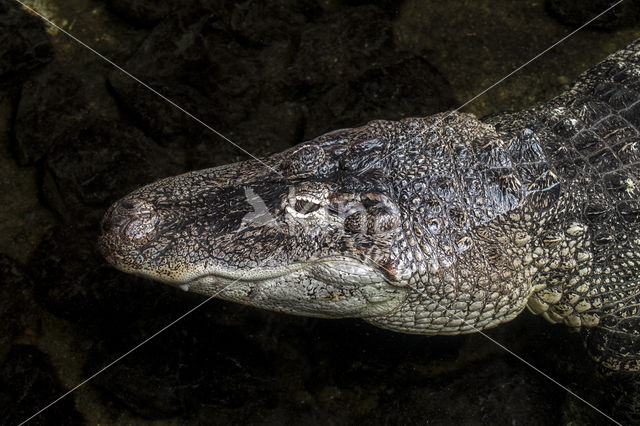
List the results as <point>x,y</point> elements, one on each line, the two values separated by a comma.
<point>127,204</point>
<point>132,220</point>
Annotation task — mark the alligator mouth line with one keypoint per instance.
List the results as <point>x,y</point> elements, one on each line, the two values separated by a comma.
<point>197,276</point>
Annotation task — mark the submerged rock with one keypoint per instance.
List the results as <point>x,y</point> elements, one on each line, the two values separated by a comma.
<point>100,158</point>
<point>145,12</point>
<point>576,13</point>
<point>19,315</point>
<point>28,383</point>
<point>24,45</point>
<point>331,66</point>
<point>52,103</point>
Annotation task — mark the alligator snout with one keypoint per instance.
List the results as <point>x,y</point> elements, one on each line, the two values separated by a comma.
<point>128,224</point>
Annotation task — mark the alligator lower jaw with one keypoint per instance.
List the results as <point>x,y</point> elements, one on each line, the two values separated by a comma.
<point>336,287</point>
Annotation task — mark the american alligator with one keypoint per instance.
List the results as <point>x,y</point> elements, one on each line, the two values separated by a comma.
<point>438,225</point>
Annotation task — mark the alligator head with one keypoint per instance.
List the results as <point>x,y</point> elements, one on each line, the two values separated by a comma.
<point>294,232</point>
<point>390,222</point>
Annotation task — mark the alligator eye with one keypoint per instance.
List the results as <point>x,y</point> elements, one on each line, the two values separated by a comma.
<point>304,207</point>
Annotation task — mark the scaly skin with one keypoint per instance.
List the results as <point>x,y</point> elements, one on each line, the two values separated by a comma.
<point>439,225</point>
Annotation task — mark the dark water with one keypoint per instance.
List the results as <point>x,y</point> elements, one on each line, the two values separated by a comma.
<point>77,135</point>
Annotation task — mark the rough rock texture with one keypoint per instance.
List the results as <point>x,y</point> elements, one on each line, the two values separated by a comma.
<point>280,74</point>
<point>576,13</point>
<point>18,313</point>
<point>77,173</point>
<point>24,45</point>
<point>55,101</point>
<point>29,383</point>
<point>144,12</point>
<point>67,121</point>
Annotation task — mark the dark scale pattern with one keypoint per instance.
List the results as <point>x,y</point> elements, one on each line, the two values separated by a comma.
<point>438,225</point>
<point>594,145</point>
<point>454,176</point>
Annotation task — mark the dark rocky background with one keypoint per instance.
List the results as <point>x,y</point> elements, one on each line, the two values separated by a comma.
<point>76,134</point>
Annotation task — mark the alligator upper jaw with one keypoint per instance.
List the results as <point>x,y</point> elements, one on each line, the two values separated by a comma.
<point>190,275</point>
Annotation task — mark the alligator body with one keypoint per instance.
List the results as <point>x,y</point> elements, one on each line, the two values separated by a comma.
<point>438,225</point>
